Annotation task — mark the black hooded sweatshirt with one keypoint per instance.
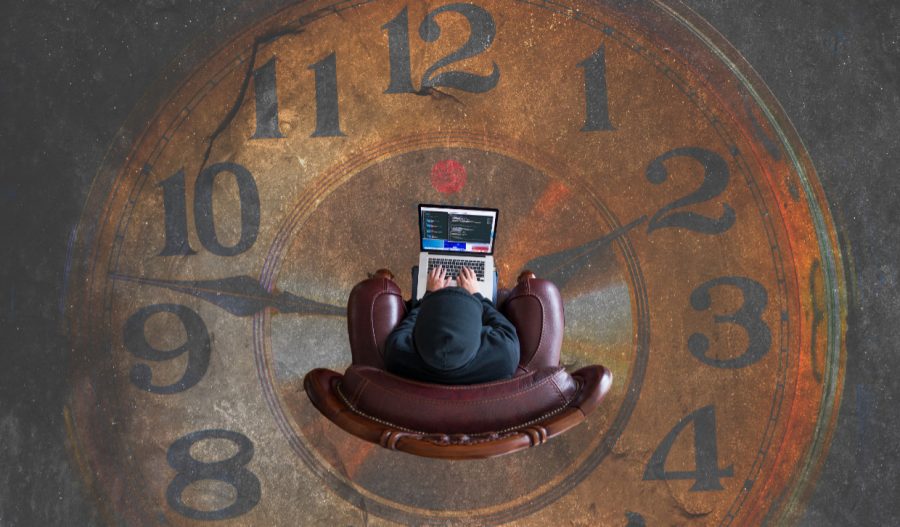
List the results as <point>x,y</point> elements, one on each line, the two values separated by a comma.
<point>453,337</point>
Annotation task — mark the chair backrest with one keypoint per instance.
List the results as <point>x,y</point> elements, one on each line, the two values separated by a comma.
<point>469,409</point>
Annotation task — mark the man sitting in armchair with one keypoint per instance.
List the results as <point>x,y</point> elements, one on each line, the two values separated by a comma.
<point>453,335</point>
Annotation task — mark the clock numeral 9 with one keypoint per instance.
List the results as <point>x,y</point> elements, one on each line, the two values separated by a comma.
<point>232,471</point>
<point>197,346</point>
<point>706,458</point>
<point>749,316</point>
<point>715,180</point>
<point>481,36</point>
<point>176,211</point>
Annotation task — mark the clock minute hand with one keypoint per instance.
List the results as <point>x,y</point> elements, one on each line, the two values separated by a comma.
<point>560,267</point>
<point>240,295</point>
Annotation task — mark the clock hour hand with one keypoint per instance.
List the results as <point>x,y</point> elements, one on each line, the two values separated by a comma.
<point>560,267</point>
<point>240,295</point>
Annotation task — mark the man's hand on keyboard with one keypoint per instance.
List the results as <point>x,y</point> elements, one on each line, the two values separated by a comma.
<point>437,279</point>
<point>467,280</point>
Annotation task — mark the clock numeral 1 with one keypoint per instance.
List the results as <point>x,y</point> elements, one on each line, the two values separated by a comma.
<point>706,457</point>
<point>176,211</point>
<point>482,30</point>
<point>595,93</point>
<point>232,471</point>
<point>197,346</point>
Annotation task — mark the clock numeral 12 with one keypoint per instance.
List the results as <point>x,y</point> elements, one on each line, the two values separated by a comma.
<point>706,457</point>
<point>481,36</point>
<point>327,111</point>
<point>232,471</point>
<point>176,211</point>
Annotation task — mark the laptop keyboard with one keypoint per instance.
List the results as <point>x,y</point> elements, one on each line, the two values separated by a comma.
<point>453,265</point>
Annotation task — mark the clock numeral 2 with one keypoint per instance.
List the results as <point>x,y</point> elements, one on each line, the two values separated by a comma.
<point>481,36</point>
<point>232,471</point>
<point>715,180</point>
<point>197,346</point>
<point>706,458</point>
<point>749,316</point>
<point>176,211</point>
<point>327,112</point>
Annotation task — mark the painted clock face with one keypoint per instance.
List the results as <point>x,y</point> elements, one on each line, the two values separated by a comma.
<point>636,161</point>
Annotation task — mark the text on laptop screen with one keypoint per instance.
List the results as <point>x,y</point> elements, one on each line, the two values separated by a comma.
<point>457,230</point>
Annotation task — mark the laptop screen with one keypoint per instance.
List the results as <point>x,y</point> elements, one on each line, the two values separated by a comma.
<point>457,229</point>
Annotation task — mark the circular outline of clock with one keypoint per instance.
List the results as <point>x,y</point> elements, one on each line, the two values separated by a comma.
<point>637,162</point>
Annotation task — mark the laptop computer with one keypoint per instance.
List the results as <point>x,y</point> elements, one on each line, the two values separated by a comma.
<point>457,236</point>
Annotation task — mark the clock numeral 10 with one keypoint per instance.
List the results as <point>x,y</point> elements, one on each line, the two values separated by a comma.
<point>232,471</point>
<point>706,458</point>
<point>176,220</point>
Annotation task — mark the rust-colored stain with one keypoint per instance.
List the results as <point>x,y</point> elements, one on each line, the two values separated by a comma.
<point>636,160</point>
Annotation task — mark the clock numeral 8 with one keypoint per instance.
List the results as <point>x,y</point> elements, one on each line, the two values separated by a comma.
<point>232,471</point>
<point>176,211</point>
<point>749,316</point>
<point>197,346</point>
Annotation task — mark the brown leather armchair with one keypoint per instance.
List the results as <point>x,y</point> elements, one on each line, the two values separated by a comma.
<point>457,422</point>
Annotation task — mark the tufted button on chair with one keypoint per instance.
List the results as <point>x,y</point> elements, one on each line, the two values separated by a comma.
<point>462,421</point>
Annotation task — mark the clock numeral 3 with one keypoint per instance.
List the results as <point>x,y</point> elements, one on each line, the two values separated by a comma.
<point>706,458</point>
<point>715,180</point>
<point>197,346</point>
<point>176,211</point>
<point>481,36</point>
<point>749,316</point>
<point>232,471</point>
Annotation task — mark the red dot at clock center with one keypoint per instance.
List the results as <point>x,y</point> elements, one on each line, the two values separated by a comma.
<point>448,176</point>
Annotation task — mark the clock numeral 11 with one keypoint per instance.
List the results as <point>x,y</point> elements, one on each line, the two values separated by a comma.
<point>327,112</point>
<point>482,30</point>
<point>176,220</point>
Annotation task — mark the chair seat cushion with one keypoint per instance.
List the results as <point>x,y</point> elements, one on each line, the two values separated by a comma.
<point>469,409</point>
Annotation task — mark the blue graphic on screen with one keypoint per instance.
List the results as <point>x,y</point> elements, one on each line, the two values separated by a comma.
<point>457,230</point>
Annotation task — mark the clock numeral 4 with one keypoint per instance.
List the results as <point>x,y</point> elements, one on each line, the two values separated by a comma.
<point>706,460</point>
<point>197,346</point>
<point>176,221</point>
<point>232,471</point>
<point>481,36</point>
